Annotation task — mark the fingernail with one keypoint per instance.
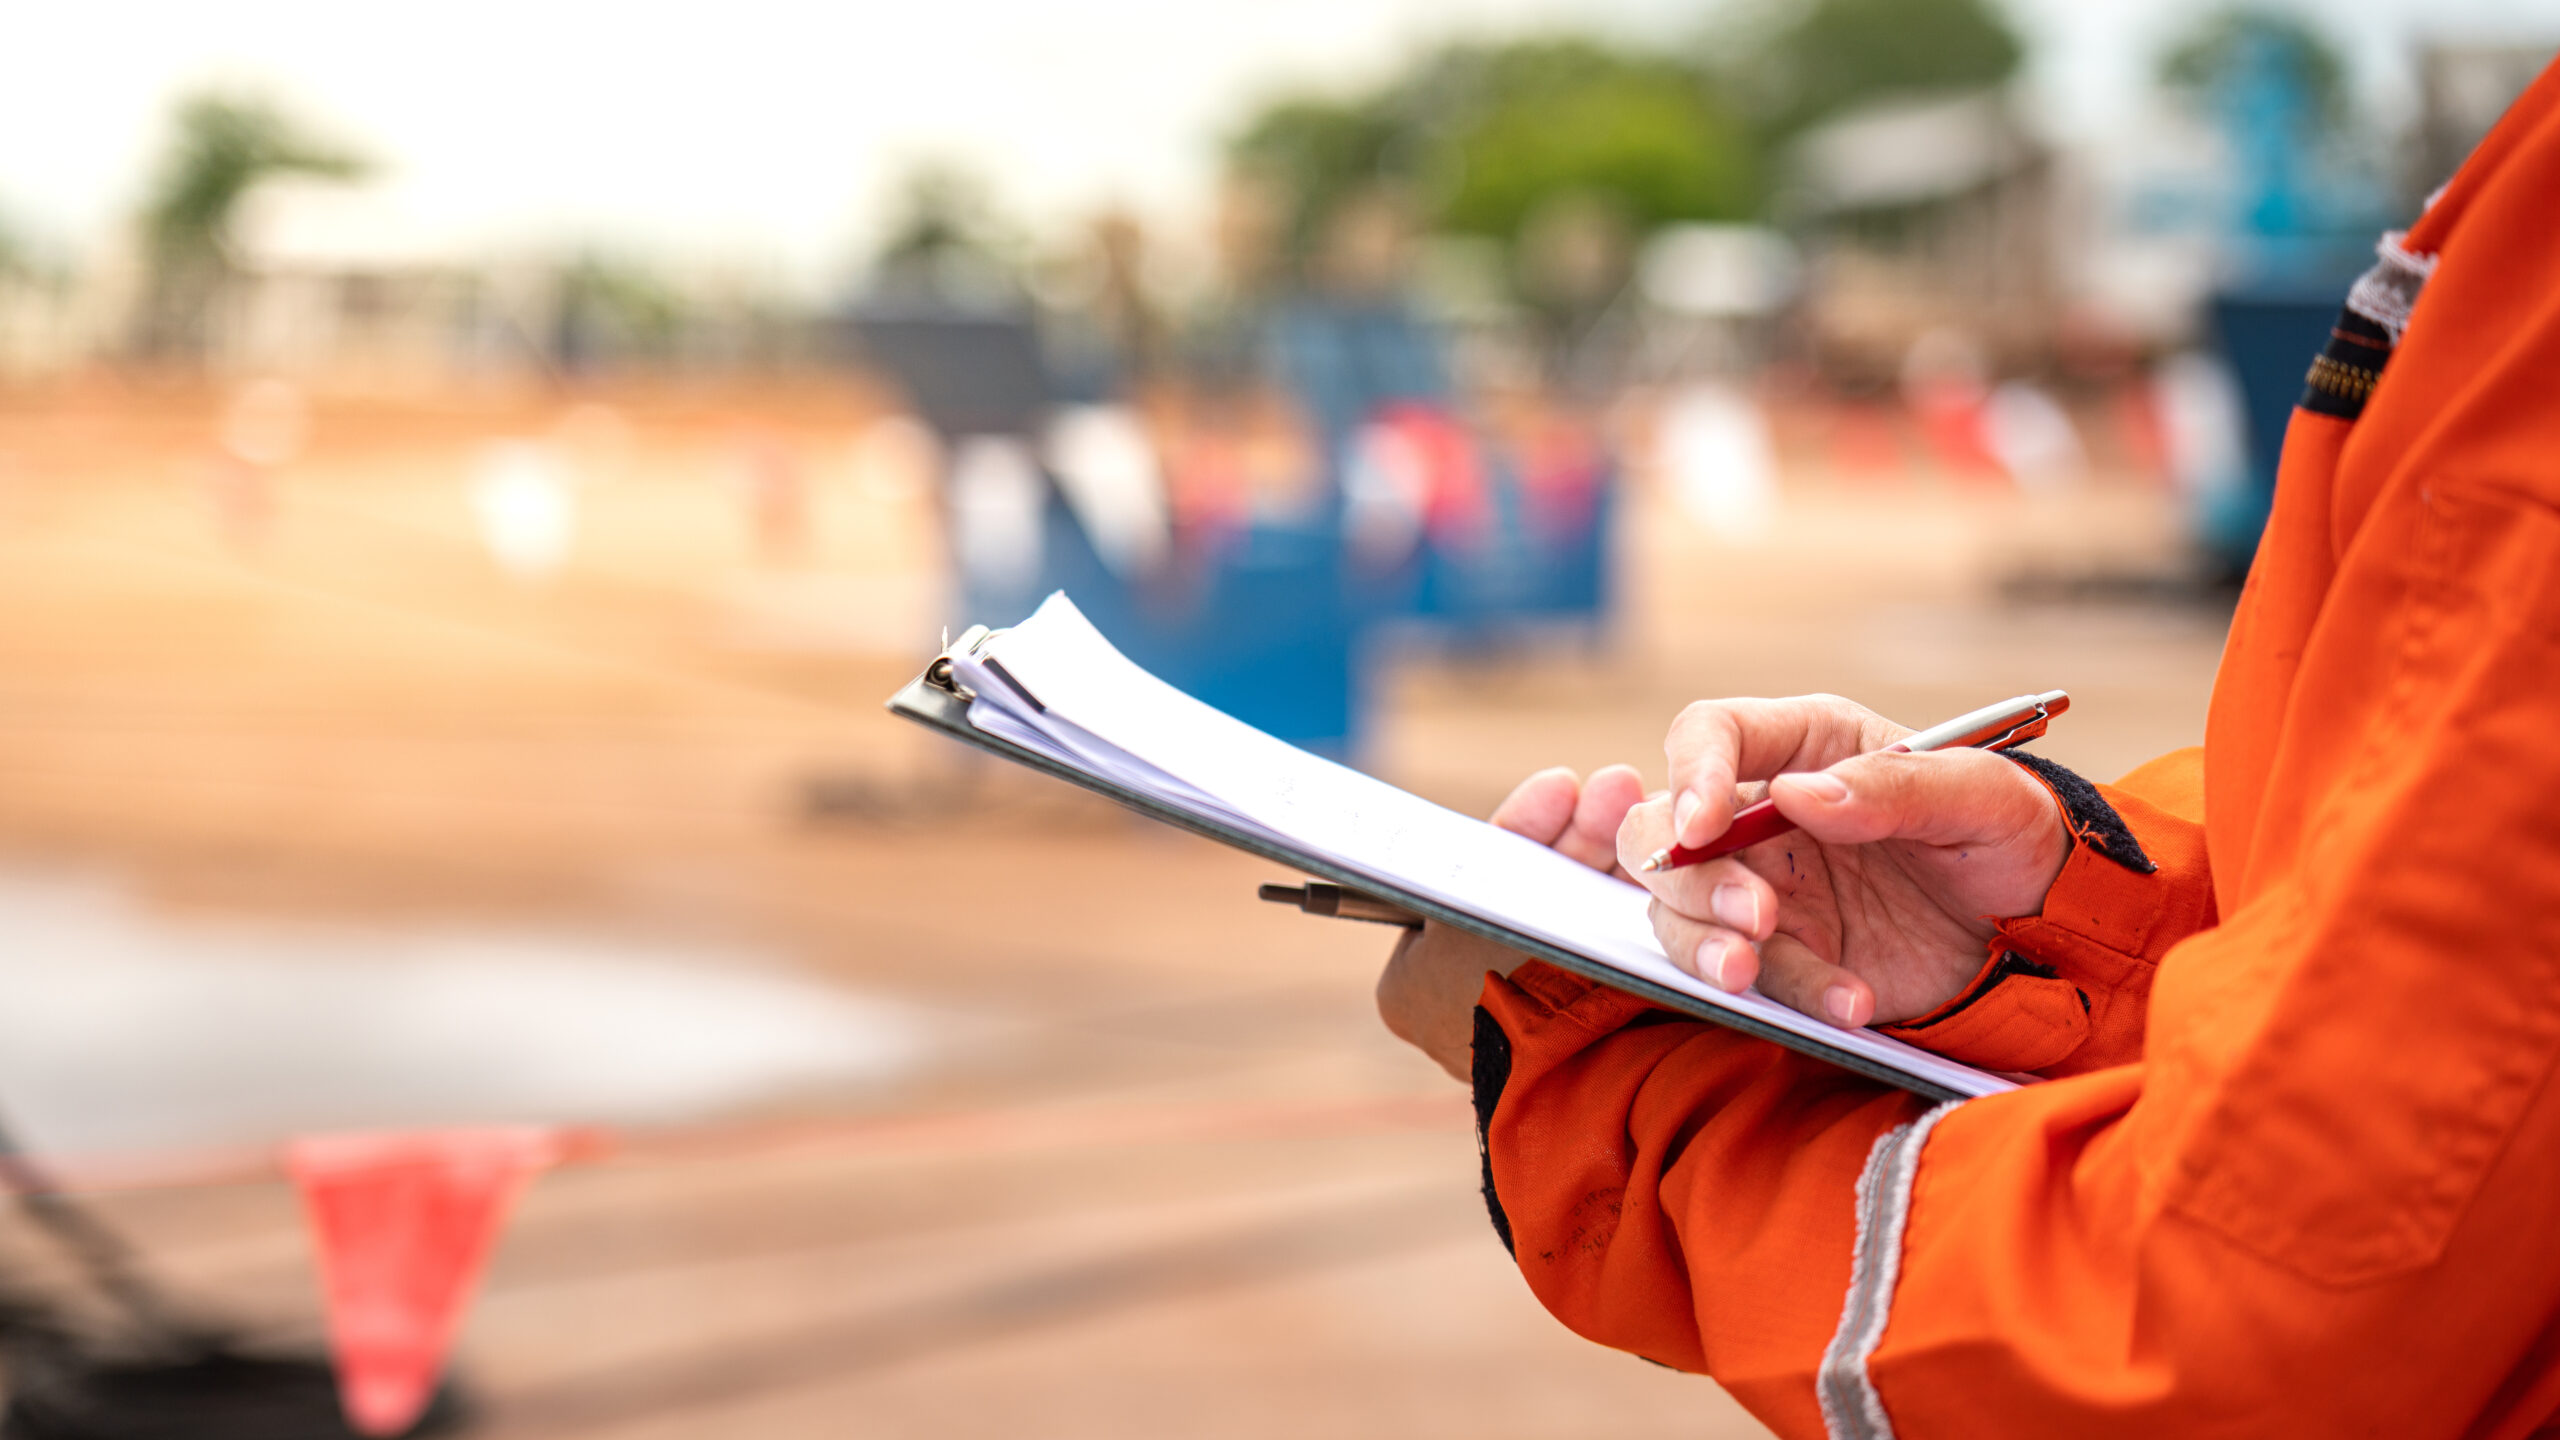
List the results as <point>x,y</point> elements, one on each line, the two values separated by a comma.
<point>1737,906</point>
<point>1840,1003</point>
<point>1683,812</point>
<point>1715,959</point>
<point>1821,785</point>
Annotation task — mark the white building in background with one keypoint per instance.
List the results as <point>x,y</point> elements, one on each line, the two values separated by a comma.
<point>1921,213</point>
<point>2143,245</point>
<point>2463,87</point>
<point>337,286</point>
<point>1712,296</point>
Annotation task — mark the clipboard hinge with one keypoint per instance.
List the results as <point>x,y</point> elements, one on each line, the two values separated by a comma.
<point>942,677</point>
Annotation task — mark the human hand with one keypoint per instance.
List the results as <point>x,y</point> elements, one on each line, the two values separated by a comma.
<point>1878,908</point>
<point>1428,993</point>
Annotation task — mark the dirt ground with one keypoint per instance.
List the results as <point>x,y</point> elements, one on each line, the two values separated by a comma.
<point>1175,1179</point>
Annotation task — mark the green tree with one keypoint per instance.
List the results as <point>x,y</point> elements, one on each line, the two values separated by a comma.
<point>1315,155</point>
<point>1479,138</point>
<point>220,147</point>
<point>946,237</point>
<point>2220,50</point>
<point>1800,62</point>
<point>1529,122</point>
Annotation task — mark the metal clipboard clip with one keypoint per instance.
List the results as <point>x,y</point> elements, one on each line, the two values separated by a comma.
<point>939,674</point>
<point>1341,902</point>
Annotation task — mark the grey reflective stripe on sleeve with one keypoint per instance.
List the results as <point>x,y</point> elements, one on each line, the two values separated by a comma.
<point>1851,1409</point>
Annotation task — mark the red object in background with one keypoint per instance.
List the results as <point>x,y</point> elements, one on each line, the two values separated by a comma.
<point>2140,435</point>
<point>402,1225</point>
<point>1562,465</point>
<point>1865,446</point>
<point>1454,506</point>
<point>1950,417</point>
<point>1206,483</point>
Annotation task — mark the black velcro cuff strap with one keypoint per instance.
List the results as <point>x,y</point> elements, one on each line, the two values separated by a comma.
<point>2093,821</point>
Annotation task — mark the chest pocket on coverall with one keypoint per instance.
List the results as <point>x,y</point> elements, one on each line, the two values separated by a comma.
<point>2413,1009</point>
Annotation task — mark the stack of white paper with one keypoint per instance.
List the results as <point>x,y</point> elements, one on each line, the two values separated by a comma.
<point>1054,686</point>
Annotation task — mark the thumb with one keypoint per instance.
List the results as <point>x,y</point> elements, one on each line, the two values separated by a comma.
<point>1942,797</point>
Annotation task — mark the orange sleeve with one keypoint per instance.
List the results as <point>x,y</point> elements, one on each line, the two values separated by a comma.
<point>2318,1205</point>
<point>1674,1188</point>
<point>2320,1201</point>
<point>2066,990</point>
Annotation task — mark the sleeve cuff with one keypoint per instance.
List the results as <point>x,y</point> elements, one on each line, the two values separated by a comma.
<point>2096,825</point>
<point>1534,1001</point>
<point>1538,993</point>
<point>2065,990</point>
<point>2017,1015</point>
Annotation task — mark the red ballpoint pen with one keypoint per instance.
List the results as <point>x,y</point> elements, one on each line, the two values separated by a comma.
<point>1993,727</point>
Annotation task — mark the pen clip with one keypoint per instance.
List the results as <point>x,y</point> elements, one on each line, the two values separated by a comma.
<point>2025,730</point>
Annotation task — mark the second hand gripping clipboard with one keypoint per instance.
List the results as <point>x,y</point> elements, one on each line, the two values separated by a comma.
<point>938,699</point>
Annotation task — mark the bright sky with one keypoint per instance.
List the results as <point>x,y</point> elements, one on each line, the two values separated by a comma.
<point>766,132</point>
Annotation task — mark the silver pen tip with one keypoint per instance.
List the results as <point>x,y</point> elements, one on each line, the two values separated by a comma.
<point>1654,861</point>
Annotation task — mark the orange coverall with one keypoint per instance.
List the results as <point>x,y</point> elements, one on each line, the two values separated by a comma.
<point>2299,1173</point>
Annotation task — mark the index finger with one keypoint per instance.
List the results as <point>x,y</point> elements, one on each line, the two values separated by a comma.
<point>1542,806</point>
<point>1607,796</point>
<point>1716,744</point>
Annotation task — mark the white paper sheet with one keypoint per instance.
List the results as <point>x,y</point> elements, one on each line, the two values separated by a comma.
<point>1097,711</point>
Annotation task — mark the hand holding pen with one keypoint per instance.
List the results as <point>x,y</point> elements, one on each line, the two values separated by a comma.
<point>1993,727</point>
<point>1911,843</point>
<point>1880,910</point>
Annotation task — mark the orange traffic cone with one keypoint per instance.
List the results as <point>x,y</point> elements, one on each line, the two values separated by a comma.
<point>402,1226</point>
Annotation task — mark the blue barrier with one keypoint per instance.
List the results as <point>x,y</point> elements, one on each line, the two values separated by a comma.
<point>1270,622</point>
<point>1520,568</point>
<point>1264,629</point>
<point>2269,339</point>
<point>1349,365</point>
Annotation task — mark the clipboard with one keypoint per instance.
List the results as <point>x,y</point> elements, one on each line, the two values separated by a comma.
<point>938,700</point>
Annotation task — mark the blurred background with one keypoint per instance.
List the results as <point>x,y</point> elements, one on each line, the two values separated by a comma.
<point>469,481</point>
